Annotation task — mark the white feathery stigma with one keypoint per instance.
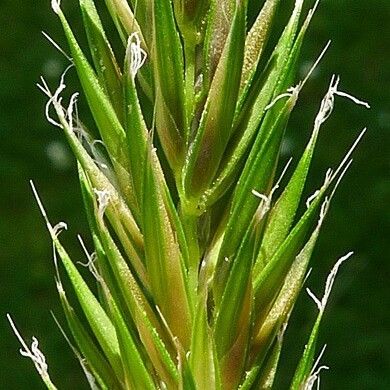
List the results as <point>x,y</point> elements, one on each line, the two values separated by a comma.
<point>266,201</point>
<point>68,116</point>
<point>56,101</point>
<point>294,91</point>
<point>69,111</point>
<point>56,5</point>
<point>103,199</point>
<point>291,92</point>
<point>59,227</point>
<point>135,53</point>
<point>90,264</point>
<point>314,375</point>
<point>327,103</point>
<point>327,181</point>
<point>33,353</point>
<point>323,211</point>
<point>321,304</point>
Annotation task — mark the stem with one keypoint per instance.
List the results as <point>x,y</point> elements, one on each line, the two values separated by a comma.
<point>190,226</point>
<point>189,54</point>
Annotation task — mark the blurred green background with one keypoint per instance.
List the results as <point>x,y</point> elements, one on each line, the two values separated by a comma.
<point>356,326</point>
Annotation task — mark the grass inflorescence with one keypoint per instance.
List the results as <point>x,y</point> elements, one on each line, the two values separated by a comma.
<point>199,250</point>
